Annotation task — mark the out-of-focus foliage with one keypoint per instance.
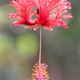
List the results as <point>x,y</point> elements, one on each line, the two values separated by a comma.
<point>27,44</point>
<point>5,44</point>
<point>19,48</point>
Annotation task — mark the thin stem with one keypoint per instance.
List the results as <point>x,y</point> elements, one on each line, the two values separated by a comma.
<point>40,46</point>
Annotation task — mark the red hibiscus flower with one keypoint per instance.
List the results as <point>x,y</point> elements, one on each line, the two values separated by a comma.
<point>48,13</point>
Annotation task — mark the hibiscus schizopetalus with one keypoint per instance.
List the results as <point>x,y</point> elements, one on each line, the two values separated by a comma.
<point>35,14</point>
<point>48,13</point>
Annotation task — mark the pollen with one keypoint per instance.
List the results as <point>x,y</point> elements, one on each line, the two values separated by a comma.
<point>40,72</point>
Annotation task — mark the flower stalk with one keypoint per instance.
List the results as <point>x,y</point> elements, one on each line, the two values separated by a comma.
<point>40,47</point>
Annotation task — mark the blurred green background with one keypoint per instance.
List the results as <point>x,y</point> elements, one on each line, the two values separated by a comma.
<point>19,48</point>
